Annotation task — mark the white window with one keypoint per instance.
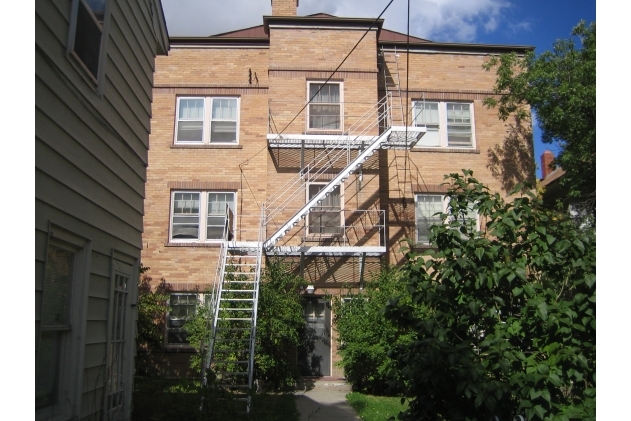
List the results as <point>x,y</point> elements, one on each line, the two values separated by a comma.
<point>199,216</point>
<point>207,120</point>
<point>182,307</point>
<point>449,124</point>
<point>427,206</point>
<point>325,108</point>
<point>326,216</point>
<point>86,34</point>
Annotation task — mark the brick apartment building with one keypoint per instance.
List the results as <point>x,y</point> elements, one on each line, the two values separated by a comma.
<point>232,126</point>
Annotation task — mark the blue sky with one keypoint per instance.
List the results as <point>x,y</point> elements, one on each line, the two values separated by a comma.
<point>519,22</point>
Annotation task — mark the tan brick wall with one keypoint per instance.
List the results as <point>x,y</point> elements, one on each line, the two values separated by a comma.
<point>255,172</point>
<point>284,7</point>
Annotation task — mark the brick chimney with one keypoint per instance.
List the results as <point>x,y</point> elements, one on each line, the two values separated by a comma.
<point>546,163</point>
<point>284,7</point>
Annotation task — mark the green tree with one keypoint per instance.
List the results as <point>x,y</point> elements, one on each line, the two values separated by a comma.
<point>560,85</point>
<point>512,328</point>
<point>365,336</point>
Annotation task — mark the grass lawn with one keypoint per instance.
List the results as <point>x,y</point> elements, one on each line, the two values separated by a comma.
<point>158,399</point>
<point>375,408</point>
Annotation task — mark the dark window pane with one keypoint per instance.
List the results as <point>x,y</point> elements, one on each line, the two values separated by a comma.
<point>87,43</point>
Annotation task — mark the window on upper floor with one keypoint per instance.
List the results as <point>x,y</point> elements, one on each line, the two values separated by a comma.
<point>182,307</point>
<point>449,124</point>
<point>200,216</point>
<point>207,120</point>
<point>428,208</point>
<point>325,108</point>
<point>86,34</point>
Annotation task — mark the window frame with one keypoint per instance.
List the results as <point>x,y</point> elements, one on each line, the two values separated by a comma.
<point>202,217</point>
<point>72,343</point>
<point>201,299</point>
<point>444,209</point>
<point>443,125</point>
<point>96,80</point>
<point>207,120</point>
<point>308,127</point>
<point>342,220</point>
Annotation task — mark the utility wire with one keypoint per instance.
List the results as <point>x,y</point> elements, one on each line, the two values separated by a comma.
<point>324,84</point>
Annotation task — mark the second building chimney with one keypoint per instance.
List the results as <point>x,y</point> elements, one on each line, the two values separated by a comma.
<point>546,163</point>
<point>284,7</point>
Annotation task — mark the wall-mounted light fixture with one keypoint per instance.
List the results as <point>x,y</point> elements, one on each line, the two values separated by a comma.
<point>310,289</point>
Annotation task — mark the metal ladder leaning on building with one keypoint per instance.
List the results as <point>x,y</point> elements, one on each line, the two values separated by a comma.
<point>234,305</point>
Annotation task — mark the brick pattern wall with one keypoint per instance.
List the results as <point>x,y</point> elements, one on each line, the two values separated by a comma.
<point>276,79</point>
<point>284,7</point>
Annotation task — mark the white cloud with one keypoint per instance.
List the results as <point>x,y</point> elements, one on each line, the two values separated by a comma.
<point>438,20</point>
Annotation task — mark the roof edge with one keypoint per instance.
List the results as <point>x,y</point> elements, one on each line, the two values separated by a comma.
<point>467,46</point>
<point>328,20</point>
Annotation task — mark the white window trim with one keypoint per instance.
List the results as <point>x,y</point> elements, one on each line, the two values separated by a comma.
<point>341,103</point>
<point>207,119</point>
<point>442,124</point>
<point>201,299</point>
<point>342,219</point>
<point>445,205</point>
<point>73,345</point>
<point>203,213</point>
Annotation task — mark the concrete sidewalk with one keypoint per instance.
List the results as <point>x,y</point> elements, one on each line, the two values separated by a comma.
<point>325,400</point>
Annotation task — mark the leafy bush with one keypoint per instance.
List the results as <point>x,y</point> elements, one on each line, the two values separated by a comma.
<point>278,331</point>
<point>152,306</point>
<point>365,336</point>
<point>513,323</point>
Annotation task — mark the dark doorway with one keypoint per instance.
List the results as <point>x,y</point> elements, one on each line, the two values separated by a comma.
<point>314,356</point>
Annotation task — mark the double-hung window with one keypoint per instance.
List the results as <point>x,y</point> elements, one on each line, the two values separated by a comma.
<point>86,34</point>
<point>207,120</point>
<point>449,124</point>
<point>325,108</point>
<point>182,306</point>
<point>200,216</point>
<point>428,208</point>
<point>326,216</point>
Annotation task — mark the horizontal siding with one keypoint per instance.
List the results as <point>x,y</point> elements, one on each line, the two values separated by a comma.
<point>58,167</point>
<point>106,168</point>
<point>93,378</point>
<point>102,241</point>
<point>94,355</point>
<point>125,22</point>
<point>92,405</point>
<point>58,195</point>
<point>96,332</point>
<point>99,286</point>
<point>97,309</point>
<point>60,98</point>
<point>88,129</point>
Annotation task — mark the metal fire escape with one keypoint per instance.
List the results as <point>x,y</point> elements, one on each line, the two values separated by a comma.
<point>234,300</point>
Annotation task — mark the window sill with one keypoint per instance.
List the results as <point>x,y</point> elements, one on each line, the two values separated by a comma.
<point>192,244</point>
<point>184,349</point>
<point>205,146</point>
<point>446,150</point>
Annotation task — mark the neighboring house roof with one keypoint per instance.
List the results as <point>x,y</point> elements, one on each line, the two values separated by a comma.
<point>259,35</point>
<point>553,177</point>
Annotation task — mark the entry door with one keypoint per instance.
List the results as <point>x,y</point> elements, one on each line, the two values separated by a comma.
<point>315,353</point>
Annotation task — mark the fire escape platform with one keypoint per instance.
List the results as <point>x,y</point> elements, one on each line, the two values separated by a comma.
<point>327,250</point>
<point>396,140</point>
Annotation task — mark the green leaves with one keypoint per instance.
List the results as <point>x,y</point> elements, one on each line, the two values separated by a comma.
<point>510,321</point>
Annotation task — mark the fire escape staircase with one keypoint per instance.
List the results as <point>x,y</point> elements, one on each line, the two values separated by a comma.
<point>234,301</point>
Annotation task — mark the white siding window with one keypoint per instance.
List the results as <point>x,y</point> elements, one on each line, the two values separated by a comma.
<point>449,124</point>
<point>325,108</point>
<point>199,216</point>
<point>207,120</point>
